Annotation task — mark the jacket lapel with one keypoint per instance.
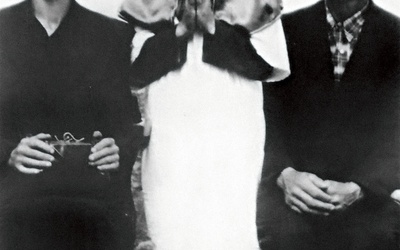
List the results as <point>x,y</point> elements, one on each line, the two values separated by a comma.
<point>364,54</point>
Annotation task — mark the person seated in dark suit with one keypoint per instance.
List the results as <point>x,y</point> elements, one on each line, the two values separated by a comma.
<point>63,70</point>
<point>333,133</point>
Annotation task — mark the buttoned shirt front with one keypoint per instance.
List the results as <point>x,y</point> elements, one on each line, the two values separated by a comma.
<point>342,37</point>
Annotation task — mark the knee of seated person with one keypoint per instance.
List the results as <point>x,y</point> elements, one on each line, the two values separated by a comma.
<point>385,225</point>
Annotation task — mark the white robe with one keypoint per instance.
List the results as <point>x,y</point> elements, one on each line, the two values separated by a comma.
<point>201,170</point>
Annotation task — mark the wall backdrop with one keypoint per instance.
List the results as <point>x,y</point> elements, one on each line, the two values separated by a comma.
<point>110,7</point>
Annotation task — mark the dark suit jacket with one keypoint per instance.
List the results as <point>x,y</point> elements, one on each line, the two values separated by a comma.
<point>344,132</point>
<point>73,81</point>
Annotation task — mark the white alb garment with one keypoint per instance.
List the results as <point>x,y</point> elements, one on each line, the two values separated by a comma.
<point>203,164</point>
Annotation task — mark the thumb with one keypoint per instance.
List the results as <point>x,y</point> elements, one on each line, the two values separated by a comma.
<point>42,136</point>
<point>97,136</point>
<point>319,182</point>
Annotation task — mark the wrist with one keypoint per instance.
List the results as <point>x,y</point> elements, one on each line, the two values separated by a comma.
<point>396,196</point>
<point>358,191</point>
<point>281,178</point>
<point>10,162</point>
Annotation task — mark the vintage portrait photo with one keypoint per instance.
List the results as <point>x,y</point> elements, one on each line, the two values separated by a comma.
<point>199,124</point>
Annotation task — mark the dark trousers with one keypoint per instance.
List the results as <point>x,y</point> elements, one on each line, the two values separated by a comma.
<point>55,223</point>
<point>363,226</point>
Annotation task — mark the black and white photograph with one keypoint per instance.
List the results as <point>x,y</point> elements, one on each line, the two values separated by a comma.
<point>200,124</point>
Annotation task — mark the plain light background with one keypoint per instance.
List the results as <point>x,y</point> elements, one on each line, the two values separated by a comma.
<point>110,7</point>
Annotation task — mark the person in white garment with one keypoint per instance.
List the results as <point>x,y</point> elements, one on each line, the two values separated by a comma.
<point>203,104</point>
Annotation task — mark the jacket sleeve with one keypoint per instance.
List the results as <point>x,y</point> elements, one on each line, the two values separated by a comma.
<point>9,136</point>
<point>378,175</point>
<point>276,156</point>
<point>121,110</point>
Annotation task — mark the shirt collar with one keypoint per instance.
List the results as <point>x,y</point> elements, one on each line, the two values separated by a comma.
<point>351,26</point>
